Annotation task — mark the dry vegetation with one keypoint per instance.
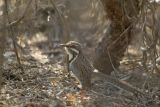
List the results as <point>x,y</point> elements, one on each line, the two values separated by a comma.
<point>120,37</point>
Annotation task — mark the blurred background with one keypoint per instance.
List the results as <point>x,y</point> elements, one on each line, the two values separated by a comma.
<point>119,37</point>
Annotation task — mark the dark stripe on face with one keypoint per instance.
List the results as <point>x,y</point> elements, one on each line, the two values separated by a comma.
<point>74,54</point>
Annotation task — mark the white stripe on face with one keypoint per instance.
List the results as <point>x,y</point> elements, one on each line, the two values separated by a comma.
<point>72,53</point>
<point>74,50</point>
<point>69,53</point>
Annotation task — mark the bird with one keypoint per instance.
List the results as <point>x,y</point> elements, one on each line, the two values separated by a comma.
<point>79,64</point>
<point>84,72</point>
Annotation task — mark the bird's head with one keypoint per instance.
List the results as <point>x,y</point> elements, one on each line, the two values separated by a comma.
<point>72,48</point>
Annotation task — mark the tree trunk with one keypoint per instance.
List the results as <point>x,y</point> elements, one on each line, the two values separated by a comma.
<point>2,46</point>
<point>111,48</point>
<point>1,57</point>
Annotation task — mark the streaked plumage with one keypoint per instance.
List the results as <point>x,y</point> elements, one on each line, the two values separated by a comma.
<point>78,64</point>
